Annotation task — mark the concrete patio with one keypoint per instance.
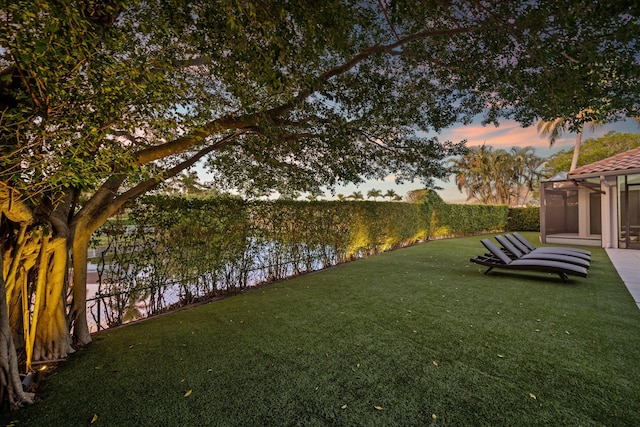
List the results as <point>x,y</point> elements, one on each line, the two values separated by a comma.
<point>627,263</point>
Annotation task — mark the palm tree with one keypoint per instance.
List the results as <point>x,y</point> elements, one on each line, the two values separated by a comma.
<point>497,177</point>
<point>356,195</point>
<point>314,195</point>
<point>560,125</point>
<point>391,194</point>
<point>186,183</point>
<point>526,173</point>
<point>502,174</point>
<point>374,193</point>
<point>473,173</point>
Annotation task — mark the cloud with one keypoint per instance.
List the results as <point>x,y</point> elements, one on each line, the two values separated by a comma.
<point>510,134</point>
<point>507,135</point>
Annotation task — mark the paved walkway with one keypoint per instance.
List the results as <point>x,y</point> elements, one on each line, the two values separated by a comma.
<point>627,262</point>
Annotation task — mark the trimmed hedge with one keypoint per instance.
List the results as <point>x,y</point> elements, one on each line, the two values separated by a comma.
<point>463,220</point>
<point>198,248</point>
<point>451,220</point>
<point>524,219</point>
<point>350,229</point>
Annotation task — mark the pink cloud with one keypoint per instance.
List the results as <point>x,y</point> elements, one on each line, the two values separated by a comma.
<point>510,134</point>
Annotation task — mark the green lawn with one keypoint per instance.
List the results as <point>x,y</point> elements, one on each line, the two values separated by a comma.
<point>417,336</point>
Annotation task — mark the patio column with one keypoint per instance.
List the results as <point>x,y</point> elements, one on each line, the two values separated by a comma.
<point>609,204</point>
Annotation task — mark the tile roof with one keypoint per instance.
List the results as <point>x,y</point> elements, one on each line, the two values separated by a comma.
<point>627,162</point>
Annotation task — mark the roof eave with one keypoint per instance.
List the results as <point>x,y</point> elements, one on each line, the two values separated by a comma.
<point>604,173</point>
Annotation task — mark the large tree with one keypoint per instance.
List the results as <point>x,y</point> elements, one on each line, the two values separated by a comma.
<point>105,100</point>
<point>593,149</point>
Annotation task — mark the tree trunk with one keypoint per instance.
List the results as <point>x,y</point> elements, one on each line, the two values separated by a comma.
<point>576,151</point>
<point>11,392</point>
<point>81,334</point>
<point>52,339</point>
<point>34,277</point>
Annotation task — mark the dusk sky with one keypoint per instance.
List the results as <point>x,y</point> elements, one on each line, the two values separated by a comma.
<point>507,135</point>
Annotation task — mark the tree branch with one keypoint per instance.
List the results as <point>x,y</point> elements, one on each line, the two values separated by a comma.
<point>150,183</point>
<point>426,58</point>
<point>386,16</point>
<point>230,122</point>
<point>188,141</point>
<point>375,141</point>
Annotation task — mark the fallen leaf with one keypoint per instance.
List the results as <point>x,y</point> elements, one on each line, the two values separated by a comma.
<point>567,332</point>
<point>344,406</point>
<point>501,356</point>
<point>94,419</point>
<point>379,408</point>
<point>533,396</point>
<point>188,393</point>
<point>435,363</point>
<point>434,416</point>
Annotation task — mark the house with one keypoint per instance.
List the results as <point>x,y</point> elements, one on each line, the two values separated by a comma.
<point>594,205</point>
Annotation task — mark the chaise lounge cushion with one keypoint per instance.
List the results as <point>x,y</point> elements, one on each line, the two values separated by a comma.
<point>499,259</point>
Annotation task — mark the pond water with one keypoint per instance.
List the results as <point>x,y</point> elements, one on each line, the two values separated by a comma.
<point>262,270</point>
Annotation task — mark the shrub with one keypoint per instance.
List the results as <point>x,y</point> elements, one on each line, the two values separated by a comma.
<point>464,220</point>
<point>524,219</point>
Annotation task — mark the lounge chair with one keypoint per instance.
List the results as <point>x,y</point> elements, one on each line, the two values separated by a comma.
<point>530,246</point>
<point>498,259</point>
<point>546,249</point>
<point>513,253</point>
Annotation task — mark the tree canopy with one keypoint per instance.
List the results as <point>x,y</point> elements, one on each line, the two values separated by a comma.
<point>593,149</point>
<point>291,95</point>
<point>108,99</point>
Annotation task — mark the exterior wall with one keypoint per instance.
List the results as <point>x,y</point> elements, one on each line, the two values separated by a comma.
<point>575,240</point>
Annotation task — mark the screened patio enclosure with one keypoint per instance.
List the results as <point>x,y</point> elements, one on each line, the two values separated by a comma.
<point>595,205</point>
<point>629,197</point>
<point>571,212</point>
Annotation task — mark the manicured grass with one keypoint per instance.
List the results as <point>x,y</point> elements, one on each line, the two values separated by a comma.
<point>417,336</point>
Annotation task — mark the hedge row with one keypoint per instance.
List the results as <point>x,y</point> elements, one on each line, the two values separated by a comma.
<point>461,220</point>
<point>524,219</point>
<point>194,248</point>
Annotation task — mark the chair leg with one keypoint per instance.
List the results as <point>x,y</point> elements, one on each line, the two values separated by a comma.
<point>488,270</point>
